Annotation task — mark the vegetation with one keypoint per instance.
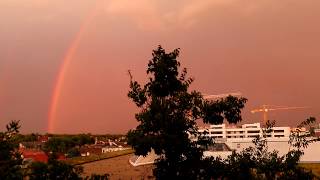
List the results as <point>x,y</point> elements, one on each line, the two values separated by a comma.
<point>259,163</point>
<point>113,137</point>
<point>167,124</point>
<point>65,144</point>
<point>97,177</point>
<point>10,159</point>
<point>26,138</point>
<point>314,167</point>
<point>12,166</point>
<point>87,159</point>
<point>54,169</point>
<point>168,118</point>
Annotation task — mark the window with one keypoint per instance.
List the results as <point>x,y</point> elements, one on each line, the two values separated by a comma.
<point>254,136</point>
<point>251,127</point>
<point>254,131</point>
<point>216,132</point>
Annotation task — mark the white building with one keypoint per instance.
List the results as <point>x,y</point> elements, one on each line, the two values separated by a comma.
<point>230,139</point>
<point>113,149</point>
<point>240,138</point>
<point>245,131</point>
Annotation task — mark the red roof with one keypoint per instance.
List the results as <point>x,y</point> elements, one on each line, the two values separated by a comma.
<point>61,157</point>
<point>43,138</point>
<point>35,155</point>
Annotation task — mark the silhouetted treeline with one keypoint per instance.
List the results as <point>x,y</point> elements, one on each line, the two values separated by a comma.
<point>13,167</point>
<point>167,125</point>
<point>67,143</point>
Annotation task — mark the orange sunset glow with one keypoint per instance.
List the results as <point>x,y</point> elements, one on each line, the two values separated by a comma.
<point>63,64</point>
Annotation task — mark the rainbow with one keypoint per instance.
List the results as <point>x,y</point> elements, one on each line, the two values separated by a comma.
<point>65,65</point>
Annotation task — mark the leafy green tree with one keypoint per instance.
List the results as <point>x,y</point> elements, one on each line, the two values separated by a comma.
<point>39,171</point>
<point>63,144</point>
<point>82,139</point>
<point>167,124</point>
<point>57,144</point>
<point>300,139</point>
<point>10,159</point>
<point>259,163</point>
<point>61,170</point>
<point>54,169</point>
<point>26,138</point>
<point>11,162</point>
<point>168,115</point>
<point>73,152</point>
<point>97,177</point>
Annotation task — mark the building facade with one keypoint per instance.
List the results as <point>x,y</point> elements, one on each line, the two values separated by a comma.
<point>245,131</point>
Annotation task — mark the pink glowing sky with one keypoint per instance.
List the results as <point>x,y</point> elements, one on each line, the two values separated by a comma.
<point>268,49</point>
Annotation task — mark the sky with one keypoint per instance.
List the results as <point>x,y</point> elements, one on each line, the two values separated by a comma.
<point>63,64</point>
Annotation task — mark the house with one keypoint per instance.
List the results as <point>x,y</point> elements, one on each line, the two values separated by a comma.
<point>31,145</point>
<point>43,138</point>
<point>39,144</point>
<point>88,150</point>
<point>317,132</point>
<point>112,147</point>
<point>34,155</point>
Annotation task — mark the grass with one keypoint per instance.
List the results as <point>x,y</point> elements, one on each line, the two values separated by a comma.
<point>315,167</point>
<point>87,159</point>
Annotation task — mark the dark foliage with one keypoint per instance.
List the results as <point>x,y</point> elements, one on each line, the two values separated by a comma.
<point>167,124</point>
<point>73,152</point>
<point>168,118</point>
<point>54,169</point>
<point>65,144</point>
<point>10,159</point>
<point>26,138</point>
<point>97,177</point>
<point>259,163</point>
<point>12,166</point>
<point>39,171</point>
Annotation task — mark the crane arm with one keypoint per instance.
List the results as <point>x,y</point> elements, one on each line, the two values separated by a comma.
<point>279,108</point>
<point>286,108</point>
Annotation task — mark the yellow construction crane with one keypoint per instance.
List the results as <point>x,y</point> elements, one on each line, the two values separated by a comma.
<point>266,108</point>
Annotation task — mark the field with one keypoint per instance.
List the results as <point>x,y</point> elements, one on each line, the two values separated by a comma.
<point>118,168</point>
<point>86,159</point>
<point>315,167</point>
<point>117,165</point>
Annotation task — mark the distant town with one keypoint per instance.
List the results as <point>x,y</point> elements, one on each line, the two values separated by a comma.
<point>34,147</point>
